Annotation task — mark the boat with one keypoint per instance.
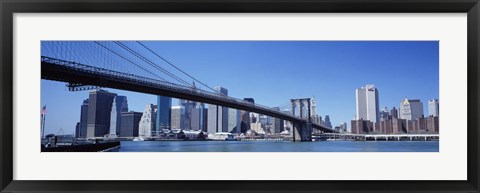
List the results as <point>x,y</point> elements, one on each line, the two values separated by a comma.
<point>138,139</point>
<point>221,136</point>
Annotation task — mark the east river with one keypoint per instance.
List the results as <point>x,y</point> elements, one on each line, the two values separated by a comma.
<point>279,146</point>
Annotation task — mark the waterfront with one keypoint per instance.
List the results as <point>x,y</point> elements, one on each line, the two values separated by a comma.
<point>180,113</point>
<point>279,146</point>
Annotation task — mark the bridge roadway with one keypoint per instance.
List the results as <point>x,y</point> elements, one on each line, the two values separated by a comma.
<point>390,135</point>
<point>376,137</point>
<point>72,72</point>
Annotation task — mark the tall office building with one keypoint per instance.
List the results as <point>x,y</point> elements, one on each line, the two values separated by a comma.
<point>367,103</point>
<point>327,122</point>
<point>176,117</point>
<point>262,119</point>
<point>254,117</point>
<point>77,130</point>
<point>394,113</point>
<point>113,121</point>
<point>198,119</point>
<point>433,107</point>
<point>277,124</point>
<point>217,119</point>
<point>257,127</point>
<point>164,110</point>
<point>287,125</point>
<point>411,109</point>
<point>188,107</point>
<point>384,114</point>
<point>218,115</point>
<point>234,121</point>
<point>122,106</point>
<point>313,107</point>
<point>146,127</point>
<point>265,120</point>
<point>82,133</point>
<point>203,117</point>
<point>245,116</point>
<point>99,111</point>
<point>129,124</point>
<point>318,120</point>
<point>344,127</point>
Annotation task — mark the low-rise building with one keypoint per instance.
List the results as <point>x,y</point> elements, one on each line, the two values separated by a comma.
<point>361,126</point>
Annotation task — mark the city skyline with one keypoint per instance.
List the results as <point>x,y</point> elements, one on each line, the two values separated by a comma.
<point>423,73</point>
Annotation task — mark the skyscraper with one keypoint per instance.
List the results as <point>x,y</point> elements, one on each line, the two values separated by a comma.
<point>113,121</point>
<point>218,115</point>
<point>198,119</point>
<point>277,123</point>
<point>313,111</point>
<point>129,124</point>
<point>327,122</point>
<point>344,126</point>
<point>146,127</point>
<point>77,130</point>
<point>287,125</point>
<point>187,109</point>
<point>164,114</point>
<point>176,117</point>
<point>367,103</point>
<point>394,113</point>
<point>83,119</point>
<point>411,109</point>
<point>122,106</point>
<point>99,111</point>
<point>245,116</point>
<point>254,117</point>
<point>433,107</point>
<point>234,121</point>
<point>262,119</point>
<point>384,114</point>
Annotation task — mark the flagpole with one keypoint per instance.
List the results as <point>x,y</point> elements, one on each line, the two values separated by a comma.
<point>43,126</point>
<point>43,113</point>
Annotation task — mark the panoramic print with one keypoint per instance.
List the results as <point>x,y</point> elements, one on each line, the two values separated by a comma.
<point>239,96</point>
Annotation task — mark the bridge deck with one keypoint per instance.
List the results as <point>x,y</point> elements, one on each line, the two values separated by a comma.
<point>72,72</point>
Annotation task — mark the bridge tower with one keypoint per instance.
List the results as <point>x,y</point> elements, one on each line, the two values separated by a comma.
<point>302,130</point>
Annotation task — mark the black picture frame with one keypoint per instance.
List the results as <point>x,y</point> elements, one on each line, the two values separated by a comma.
<point>9,7</point>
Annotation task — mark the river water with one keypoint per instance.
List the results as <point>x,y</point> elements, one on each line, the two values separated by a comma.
<point>279,146</point>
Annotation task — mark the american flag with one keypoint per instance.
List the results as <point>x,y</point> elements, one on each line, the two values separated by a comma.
<point>44,110</point>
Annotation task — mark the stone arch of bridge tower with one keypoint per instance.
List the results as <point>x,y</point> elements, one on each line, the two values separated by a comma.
<point>302,130</point>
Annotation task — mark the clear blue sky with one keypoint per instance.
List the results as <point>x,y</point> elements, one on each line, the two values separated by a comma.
<point>272,72</point>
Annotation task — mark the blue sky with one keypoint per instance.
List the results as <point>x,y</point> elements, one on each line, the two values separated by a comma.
<point>272,72</point>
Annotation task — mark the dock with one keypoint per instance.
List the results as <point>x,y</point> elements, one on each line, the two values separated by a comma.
<point>97,147</point>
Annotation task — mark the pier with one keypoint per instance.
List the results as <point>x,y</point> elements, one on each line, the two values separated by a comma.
<point>97,147</point>
<point>375,137</point>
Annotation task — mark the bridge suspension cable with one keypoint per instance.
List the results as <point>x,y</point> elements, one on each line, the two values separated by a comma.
<point>119,55</point>
<point>173,65</point>
<point>283,106</point>
<point>152,63</point>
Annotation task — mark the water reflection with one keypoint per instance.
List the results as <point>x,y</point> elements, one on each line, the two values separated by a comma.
<point>279,146</point>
